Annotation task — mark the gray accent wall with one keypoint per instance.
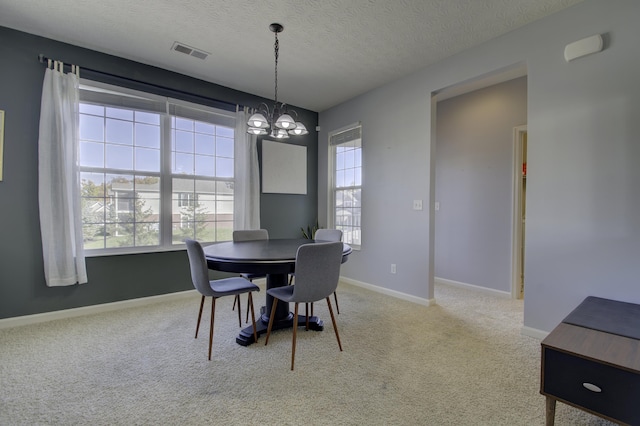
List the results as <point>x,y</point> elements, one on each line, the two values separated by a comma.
<point>474,184</point>
<point>111,278</point>
<point>583,180</point>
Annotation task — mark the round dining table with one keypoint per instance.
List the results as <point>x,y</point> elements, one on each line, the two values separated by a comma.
<point>275,258</point>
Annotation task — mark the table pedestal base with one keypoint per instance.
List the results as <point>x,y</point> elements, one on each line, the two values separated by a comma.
<point>245,338</point>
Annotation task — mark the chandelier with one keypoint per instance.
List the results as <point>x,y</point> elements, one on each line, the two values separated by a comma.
<point>278,119</point>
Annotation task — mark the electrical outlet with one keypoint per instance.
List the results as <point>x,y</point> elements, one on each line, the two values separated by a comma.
<point>437,205</point>
<point>393,268</point>
<point>417,204</point>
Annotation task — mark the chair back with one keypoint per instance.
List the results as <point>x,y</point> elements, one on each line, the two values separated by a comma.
<point>328,235</point>
<point>199,269</point>
<point>317,271</point>
<point>250,235</point>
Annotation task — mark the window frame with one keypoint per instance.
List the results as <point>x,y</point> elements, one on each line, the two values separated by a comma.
<point>106,95</point>
<point>331,193</point>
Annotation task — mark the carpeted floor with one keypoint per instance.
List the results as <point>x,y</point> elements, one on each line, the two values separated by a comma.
<point>461,362</point>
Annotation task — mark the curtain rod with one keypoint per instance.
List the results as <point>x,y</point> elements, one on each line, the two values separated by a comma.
<point>221,104</point>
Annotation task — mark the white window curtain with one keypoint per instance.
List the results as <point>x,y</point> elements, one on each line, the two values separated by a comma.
<point>247,185</point>
<point>58,185</point>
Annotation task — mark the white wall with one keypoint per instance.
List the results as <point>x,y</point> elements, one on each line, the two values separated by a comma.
<point>474,184</point>
<point>583,180</point>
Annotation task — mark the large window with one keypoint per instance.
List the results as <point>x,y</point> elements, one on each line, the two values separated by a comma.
<point>346,183</point>
<point>153,170</point>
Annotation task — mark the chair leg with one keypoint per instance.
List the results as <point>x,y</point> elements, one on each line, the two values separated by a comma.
<point>253,317</point>
<point>335,296</point>
<point>247,320</point>
<point>239,311</point>
<point>295,327</point>
<point>213,312</point>
<point>290,279</point>
<point>235,301</point>
<point>199,316</point>
<point>306,314</point>
<point>335,327</point>
<point>273,314</point>
<point>311,308</point>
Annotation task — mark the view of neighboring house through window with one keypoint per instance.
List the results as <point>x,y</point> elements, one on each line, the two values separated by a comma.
<point>153,170</point>
<point>346,186</point>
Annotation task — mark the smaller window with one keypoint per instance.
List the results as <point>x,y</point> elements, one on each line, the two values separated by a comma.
<point>346,184</point>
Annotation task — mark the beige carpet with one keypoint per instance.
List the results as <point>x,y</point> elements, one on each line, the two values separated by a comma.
<point>461,362</point>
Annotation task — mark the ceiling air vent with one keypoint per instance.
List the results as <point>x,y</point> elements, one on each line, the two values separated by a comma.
<point>188,50</point>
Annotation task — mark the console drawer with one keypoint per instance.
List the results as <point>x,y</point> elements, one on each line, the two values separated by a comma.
<point>564,375</point>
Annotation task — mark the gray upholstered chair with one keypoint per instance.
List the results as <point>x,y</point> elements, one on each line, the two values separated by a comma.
<point>325,235</point>
<point>317,274</point>
<point>216,288</point>
<point>248,235</point>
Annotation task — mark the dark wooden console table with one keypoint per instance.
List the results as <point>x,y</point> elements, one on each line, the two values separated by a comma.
<point>592,361</point>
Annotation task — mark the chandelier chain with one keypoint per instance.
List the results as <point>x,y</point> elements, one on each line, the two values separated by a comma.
<point>276,49</point>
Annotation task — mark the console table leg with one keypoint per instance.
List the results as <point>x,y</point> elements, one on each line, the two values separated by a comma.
<point>551,411</point>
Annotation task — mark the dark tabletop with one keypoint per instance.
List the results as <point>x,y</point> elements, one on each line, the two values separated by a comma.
<point>261,256</point>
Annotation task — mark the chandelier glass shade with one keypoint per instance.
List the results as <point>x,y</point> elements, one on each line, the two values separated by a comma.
<point>276,121</point>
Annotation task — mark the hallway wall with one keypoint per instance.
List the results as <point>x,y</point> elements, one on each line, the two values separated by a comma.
<point>474,184</point>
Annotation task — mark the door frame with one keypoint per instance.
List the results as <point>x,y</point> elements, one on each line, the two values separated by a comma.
<point>516,216</point>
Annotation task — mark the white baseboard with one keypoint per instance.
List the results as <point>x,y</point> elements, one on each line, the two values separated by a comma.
<point>491,291</point>
<point>107,307</point>
<point>388,292</point>
<point>533,332</point>
<point>93,309</point>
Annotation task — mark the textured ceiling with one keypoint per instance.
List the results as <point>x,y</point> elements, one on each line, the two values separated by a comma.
<point>330,50</point>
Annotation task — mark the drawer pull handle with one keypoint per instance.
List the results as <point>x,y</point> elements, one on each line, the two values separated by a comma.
<point>592,387</point>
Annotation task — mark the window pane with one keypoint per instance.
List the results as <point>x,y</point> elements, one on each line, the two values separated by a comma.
<point>148,159</point>
<point>224,131</point>
<point>205,231</point>
<point>91,109</point>
<point>224,147</point>
<point>206,186</point>
<point>91,154</point>
<point>118,235</point>
<point>147,234</point>
<point>119,157</point>
<point>91,128</point>
<point>119,132</point>
<point>206,128</point>
<point>205,165</point>
<point>205,144</point>
<point>147,135</point>
<point>92,184</point>
<point>184,124</point>
<point>123,114</point>
<point>183,163</point>
<point>147,117</point>
<point>340,160</point>
<point>349,177</point>
<point>340,179</point>
<point>184,141</point>
<point>206,206</point>
<point>224,231</point>
<point>349,159</point>
<point>224,167</point>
